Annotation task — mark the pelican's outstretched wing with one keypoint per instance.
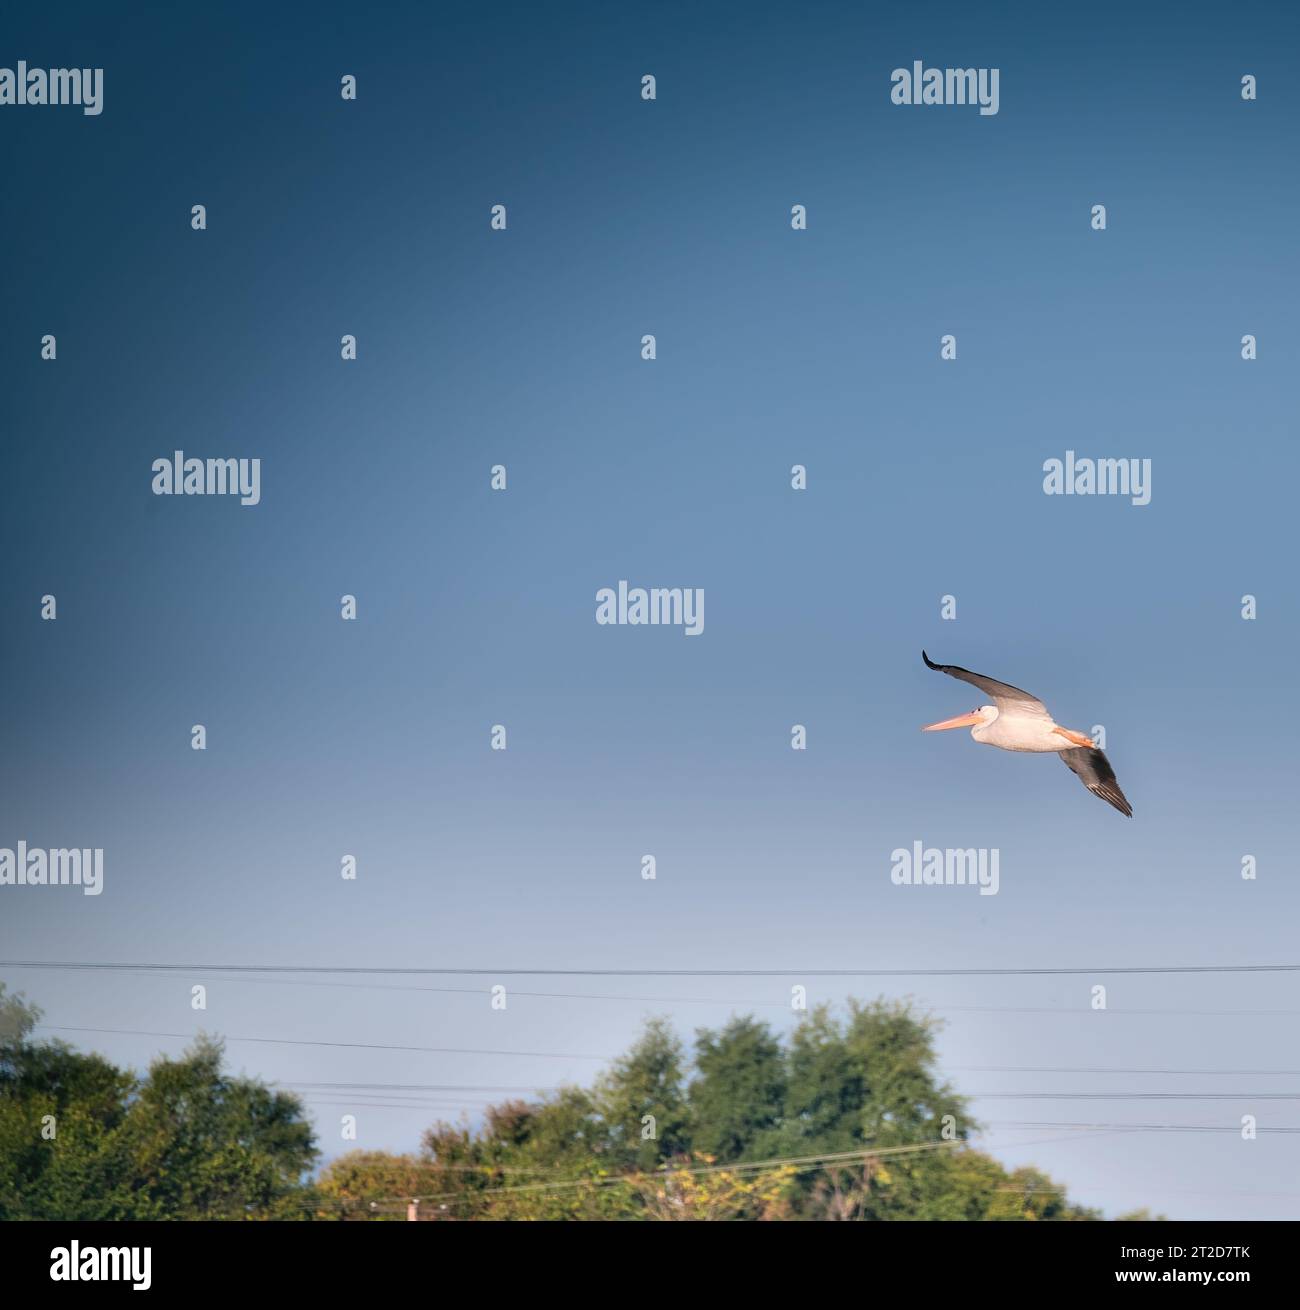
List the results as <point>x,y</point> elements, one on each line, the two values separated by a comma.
<point>1005,697</point>
<point>1095,773</point>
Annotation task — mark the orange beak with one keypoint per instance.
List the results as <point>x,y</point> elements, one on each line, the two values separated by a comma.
<point>961,721</point>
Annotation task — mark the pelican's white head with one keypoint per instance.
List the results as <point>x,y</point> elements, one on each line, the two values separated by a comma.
<point>975,720</point>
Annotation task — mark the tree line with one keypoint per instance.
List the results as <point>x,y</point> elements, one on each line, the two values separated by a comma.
<point>846,1118</point>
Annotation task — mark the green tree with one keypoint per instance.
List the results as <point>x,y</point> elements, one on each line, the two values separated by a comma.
<point>642,1100</point>
<point>82,1139</point>
<point>846,1119</point>
<point>204,1144</point>
<point>371,1185</point>
<point>737,1097</point>
<point>864,1084</point>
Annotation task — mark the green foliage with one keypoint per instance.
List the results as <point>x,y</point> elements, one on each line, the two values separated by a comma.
<point>739,1093</point>
<point>81,1139</point>
<point>744,1134</point>
<point>370,1185</point>
<point>751,1129</point>
<point>644,1094</point>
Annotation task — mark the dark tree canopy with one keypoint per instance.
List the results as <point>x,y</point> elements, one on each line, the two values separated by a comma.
<point>82,1139</point>
<point>846,1117</point>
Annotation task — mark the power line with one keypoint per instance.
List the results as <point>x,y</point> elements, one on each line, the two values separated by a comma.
<point>409,1098</point>
<point>295,1041</point>
<point>419,1087</point>
<point>1134,1096</point>
<point>488,1089</point>
<point>1010,1068</point>
<point>1122,1012</point>
<point>1101,1068</point>
<point>807,1163</point>
<point>407,1166</point>
<point>415,1099</point>
<point>1137,1128</point>
<point>799,1163</point>
<point>480,1091</point>
<point>1083,1009</point>
<point>739,1166</point>
<point>421,1108</point>
<point>464,991</point>
<point>561,1055</point>
<point>997,972</point>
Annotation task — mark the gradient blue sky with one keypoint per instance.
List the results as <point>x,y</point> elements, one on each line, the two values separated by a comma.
<point>775,348</point>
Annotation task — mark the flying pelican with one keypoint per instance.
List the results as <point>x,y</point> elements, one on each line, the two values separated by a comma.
<point>1017,721</point>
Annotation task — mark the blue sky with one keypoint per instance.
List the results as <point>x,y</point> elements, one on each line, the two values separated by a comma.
<point>775,347</point>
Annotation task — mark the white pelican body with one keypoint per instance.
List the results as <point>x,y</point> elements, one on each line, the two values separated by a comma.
<point>1018,721</point>
<point>1018,732</point>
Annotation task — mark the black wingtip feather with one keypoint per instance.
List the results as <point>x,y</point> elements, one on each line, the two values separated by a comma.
<point>929,663</point>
